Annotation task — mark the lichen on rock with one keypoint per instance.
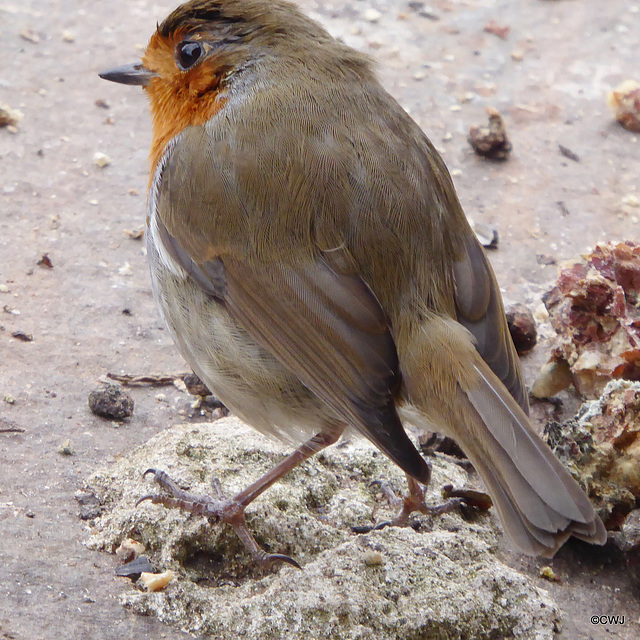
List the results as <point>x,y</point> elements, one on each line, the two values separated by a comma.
<point>601,446</point>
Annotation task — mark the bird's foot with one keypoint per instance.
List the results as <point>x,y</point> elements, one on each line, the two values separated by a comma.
<point>414,501</point>
<point>218,508</point>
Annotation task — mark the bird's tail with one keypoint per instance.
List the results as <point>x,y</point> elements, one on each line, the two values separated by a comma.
<point>539,503</point>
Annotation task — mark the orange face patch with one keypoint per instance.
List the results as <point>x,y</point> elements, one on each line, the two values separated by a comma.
<point>179,98</point>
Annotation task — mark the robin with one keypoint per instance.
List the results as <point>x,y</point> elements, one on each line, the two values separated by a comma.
<point>314,266</point>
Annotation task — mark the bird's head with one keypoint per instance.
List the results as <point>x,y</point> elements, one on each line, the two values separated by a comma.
<point>201,48</point>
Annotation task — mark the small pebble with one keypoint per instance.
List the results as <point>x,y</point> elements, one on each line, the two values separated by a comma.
<point>101,159</point>
<point>9,117</point>
<point>490,141</point>
<point>372,15</point>
<point>111,401</point>
<point>90,506</point>
<point>65,449</point>
<point>522,327</point>
<point>30,36</point>
<point>68,36</point>
<point>130,549</point>
<point>373,559</point>
<point>624,100</point>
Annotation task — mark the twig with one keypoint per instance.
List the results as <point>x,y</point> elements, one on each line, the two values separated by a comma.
<point>150,380</point>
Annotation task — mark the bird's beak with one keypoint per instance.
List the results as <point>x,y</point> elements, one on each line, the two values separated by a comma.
<point>133,73</point>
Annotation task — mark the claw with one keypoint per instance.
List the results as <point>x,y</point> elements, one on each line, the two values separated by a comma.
<point>279,557</point>
<point>149,496</point>
<point>222,509</point>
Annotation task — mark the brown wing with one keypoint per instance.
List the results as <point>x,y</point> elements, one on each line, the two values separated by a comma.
<point>479,308</point>
<point>326,326</point>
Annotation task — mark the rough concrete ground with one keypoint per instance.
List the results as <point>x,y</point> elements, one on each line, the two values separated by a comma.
<point>548,79</point>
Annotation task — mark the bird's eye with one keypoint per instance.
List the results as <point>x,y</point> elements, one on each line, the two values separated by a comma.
<point>188,53</point>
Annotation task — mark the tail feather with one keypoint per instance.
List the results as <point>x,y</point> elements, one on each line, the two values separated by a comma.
<point>539,503</point>
<point>527,537</point>
<point>509,428</point>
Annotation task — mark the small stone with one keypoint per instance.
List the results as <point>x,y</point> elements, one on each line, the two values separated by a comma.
<point>372,15</point>
<point>111,401</point>
<point>101,159</point>
<point>65,449</point>
<point>195,386</point>
<point>552,379</point>
<point>373,559</point>
<point>9,399</point>
<point>624,100</point>
<point>130,549</point>
<point>545,259</point>
<point>30,36</point>
<point>134,234</point>
<point>68,36</point>
<point>102,103</point>
<point>522,327</point>
<point>517,55</point>
<point>4,288</point>
<point>9,117</point>
<point>21,335</point>
<point>487,235</point>
<point>90,506</point>
<point>631,201</point>
<point>490,141</point>
<point>502,31</point>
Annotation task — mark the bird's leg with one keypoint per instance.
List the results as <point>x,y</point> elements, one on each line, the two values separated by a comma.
<point>231,510</point>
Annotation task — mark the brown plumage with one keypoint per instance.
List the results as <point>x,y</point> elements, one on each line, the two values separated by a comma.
<point>315,267</point>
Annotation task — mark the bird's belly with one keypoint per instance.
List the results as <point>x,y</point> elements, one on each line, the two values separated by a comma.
<point>248,379</point>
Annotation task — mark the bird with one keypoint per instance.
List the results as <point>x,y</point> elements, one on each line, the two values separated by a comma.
<point>314,266</point>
